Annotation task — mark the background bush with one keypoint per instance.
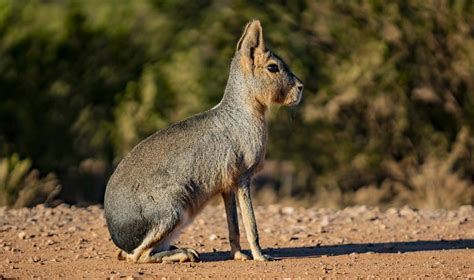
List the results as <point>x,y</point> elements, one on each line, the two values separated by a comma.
<point>387,117</point>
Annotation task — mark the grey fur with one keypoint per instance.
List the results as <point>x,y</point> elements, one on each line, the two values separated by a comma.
<point>169,177</point>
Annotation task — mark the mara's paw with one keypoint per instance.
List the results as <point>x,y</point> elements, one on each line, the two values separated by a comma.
<point>122,255</point>
<point>192,254</point>
<point>239,255</point>
<point>176,255</point>
<point>263,258</point>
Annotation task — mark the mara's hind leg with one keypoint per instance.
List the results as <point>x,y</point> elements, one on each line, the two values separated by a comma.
<point>121,255</point>
<point>173,255</point>
<point>153,239</point>
<point>156,248</point>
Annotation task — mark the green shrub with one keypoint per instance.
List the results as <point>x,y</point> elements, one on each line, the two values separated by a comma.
<point>20,186</point>
<point>386,84</point>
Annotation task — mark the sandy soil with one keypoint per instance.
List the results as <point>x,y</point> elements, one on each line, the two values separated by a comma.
<point>70,242</point>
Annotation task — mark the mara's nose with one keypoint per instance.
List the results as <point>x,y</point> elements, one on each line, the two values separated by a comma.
<point>299,85</point>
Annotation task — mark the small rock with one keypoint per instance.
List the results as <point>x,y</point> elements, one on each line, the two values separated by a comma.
<point>463,220</point>
<point>321,229</point>
<point>34,259</point>
<point>361,209</point>
<point>372,217</point>
<point>465,209</point>
<point>393,211</point>
<point>339,240</point>
<point>22,235</point>
<point>71,229</point>
<point>287,210</point>
<point>324,221</point>
<point>408,212</point>
<point>213,237</point>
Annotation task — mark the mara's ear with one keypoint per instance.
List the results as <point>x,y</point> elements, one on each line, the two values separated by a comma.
<point>251,40</point>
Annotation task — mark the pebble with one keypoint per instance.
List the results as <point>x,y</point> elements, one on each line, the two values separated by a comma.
<point>465,209</point>
<point>22,235</point>
<point>34,259</point>
<point>321,229</point>
<point>5,228</point>
<point>407,211</point>
<point>325,221</point>
<point>71,229</point>
<point>463,220</point>
<point>287,210</point>
<point>339,240</point>
<point>393,211</point>
<point>213,237</point>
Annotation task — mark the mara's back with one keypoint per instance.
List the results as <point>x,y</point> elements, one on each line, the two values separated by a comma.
<point>197,148</point>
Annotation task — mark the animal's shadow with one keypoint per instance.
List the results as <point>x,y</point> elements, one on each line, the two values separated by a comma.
<point>345,249</point>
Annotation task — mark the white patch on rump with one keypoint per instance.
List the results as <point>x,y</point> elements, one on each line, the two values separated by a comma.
<point>184,221</point>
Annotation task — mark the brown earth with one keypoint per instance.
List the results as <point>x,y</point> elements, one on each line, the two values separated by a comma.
<point>70,242</point>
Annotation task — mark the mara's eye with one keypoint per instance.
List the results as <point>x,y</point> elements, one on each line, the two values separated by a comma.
<point>273,68</point>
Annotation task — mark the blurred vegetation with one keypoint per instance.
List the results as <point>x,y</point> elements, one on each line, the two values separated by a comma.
<point>387,117</point>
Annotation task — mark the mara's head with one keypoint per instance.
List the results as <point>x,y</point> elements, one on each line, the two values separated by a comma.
<point>267,75</point>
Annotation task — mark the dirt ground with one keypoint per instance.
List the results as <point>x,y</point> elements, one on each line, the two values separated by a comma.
<point>356,242</point>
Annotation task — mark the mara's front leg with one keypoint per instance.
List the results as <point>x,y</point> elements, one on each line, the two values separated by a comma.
<point>248,217</point>
<point>233,226</point>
